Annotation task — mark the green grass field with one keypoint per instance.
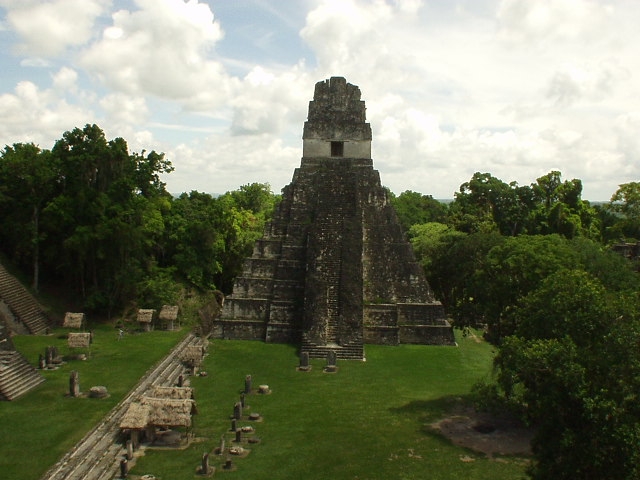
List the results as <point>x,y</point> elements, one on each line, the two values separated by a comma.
<point>39,427</point>
<point>367,421</point>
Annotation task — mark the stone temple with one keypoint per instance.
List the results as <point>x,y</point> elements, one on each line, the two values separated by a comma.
<point>333,270</point>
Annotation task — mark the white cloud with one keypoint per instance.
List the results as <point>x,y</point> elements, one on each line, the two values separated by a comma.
<point>220,163</point>
<point>65,79</point>
<point>268,101</point>
<point>551,20</point>
<point>37,62</point>
<point>585,82</point>
<point>626,129</point>
<point>36,115</point>
<point>511,87</point>
<point>346,33</point>
<point>162,49</point>
<point>409,6</point>
<point>124,110</point>
<point>47,28</point>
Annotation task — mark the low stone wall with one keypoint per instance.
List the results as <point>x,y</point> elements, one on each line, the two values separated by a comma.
<point>426,334</point>
<point>419,323</point>
<point>420,313</point>
<point>282,333</point>
<point>376,315</point>
<point>287,290</point>
<point>254,308</point>
<point>283,312</point>
<point>267,248</point>
<point>260,267</point>
<point>253,287</point>
<point>239,330</point>
<point>290,269</point>
<point>381,335</point>
<point>292,252</point>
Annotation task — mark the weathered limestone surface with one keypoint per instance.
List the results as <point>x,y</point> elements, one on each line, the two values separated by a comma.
<point>334,270</point>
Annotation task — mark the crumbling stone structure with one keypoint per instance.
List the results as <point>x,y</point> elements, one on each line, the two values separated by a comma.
<point>334,270</point>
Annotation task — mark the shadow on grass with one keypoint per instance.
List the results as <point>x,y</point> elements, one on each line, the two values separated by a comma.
<point>428,411</point>
<point>455,420</point>
<point>425,413</point>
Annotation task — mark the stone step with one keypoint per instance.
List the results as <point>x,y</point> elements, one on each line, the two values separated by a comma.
<point>17,376</point>
<point>14,370</point>
<point>20,388</point>
<point>23,305</point>
<point>344,352</point>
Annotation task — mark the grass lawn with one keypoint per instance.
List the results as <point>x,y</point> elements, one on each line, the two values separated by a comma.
<point>39,427</point>
<point>367,421</point>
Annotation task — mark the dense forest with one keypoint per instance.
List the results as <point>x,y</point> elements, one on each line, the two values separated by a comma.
<point>92,216</point>
<point>532,266</point>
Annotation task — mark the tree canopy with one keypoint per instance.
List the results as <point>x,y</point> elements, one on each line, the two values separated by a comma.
<point>573,362</point>
<point>530,265</point>
<point>100,219</point>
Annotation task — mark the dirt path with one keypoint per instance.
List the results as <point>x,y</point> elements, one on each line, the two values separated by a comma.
<point>492,435</point>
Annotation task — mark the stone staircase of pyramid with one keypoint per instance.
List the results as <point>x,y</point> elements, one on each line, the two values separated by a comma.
<point>17,375</point>
<point>22,304</point>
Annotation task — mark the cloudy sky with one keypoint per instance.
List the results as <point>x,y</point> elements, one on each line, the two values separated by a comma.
<point>516,88</point>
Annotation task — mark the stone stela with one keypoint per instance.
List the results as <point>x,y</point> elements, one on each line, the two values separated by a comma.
<point>74,384</point>
<point>334,269</point>
<point>331,366</point>
<point>304,366</point>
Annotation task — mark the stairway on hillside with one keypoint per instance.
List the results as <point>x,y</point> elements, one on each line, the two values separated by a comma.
<point>22,304</point>
<point>331,242</point>
<point>17,376</point>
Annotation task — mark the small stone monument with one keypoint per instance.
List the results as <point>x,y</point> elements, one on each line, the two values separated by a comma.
<point>331,362</point>
<point>204,468</point>
<point>222,445</point>
<point>237,411</point>
<point>42,364</point>
<point>129,450</point>
<point>124,468</point>
<point>146,317</point>
<point>48,355</point>
<point>99,391</point>
<point>247,385</point>
<point>73,320</point>
<point>238,435</point>
<point>234,424</point>
<point>168,315</point>
<point>79,339</point>
<point>74,384</point>
<point>52,357</point>
<point>192,357</point>
<point>304,362</point>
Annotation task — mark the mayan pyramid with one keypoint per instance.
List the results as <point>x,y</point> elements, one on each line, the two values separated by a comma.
<point>334,270</point>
